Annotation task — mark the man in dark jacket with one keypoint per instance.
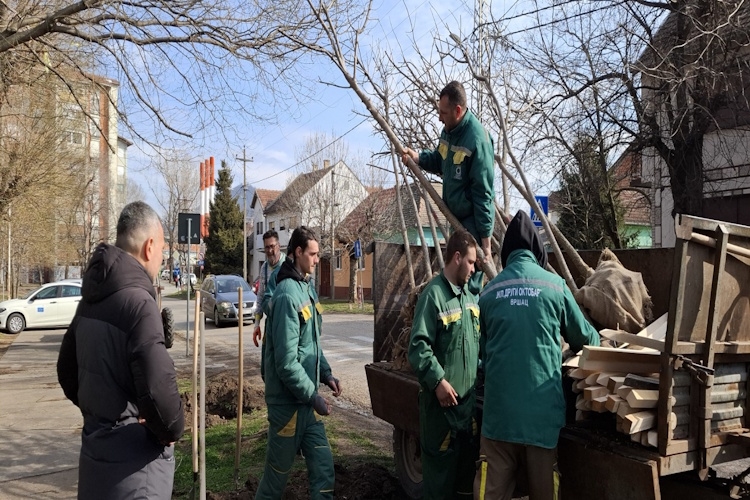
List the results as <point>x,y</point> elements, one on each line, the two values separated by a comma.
<point>114,366</point>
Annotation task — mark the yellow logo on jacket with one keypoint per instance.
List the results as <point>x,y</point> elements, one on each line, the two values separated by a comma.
<point>443,149</point>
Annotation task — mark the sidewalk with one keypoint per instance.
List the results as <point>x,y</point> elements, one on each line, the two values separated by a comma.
<point>39,428</point>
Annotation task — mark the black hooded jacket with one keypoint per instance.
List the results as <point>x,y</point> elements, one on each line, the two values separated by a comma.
<point>522,235</point>
<point>113,363</point>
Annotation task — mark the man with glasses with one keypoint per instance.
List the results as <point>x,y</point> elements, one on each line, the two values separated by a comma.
<point>267,282</point>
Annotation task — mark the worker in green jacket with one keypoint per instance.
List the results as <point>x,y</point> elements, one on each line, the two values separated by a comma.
<point>295,368</point>
<point>444,353</point>
<point>266,285</point>
<point>465,158</point>
<point>524,309</point>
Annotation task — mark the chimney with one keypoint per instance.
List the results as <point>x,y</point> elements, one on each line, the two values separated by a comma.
<point>326,163</point>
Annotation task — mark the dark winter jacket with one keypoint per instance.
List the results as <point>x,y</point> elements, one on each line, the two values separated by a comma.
<point>114,366</point>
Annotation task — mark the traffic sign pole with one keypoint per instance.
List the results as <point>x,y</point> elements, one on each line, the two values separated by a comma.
<point>187,266</point>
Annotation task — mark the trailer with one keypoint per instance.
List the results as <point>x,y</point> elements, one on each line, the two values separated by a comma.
<point>703,284</point>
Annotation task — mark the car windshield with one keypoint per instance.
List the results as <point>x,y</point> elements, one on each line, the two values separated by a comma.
<point>226,286</point>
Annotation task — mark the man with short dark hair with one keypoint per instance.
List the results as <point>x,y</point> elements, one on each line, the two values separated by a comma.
<point>465,158</point>
<point>266,285</point>
<point>444,353</point>
<point>295,367</point>
<point>114,366</point>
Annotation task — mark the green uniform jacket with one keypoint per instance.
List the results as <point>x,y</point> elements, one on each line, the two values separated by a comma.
<point>523,312</point>
<point>445,337</point>
<point>294,361</point>
<point>465,158</point>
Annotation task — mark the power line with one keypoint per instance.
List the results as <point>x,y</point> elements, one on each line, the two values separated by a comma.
<point>313,154</point>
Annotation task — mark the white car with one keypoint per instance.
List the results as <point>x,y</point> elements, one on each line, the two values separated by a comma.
<point>53,305</point>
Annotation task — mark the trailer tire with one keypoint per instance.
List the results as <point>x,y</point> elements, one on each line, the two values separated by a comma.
<point>407,454</point>
<point>167,322</point>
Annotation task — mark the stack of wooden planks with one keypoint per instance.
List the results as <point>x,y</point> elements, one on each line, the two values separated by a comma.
<point>621,382</point>
<point>626,382</point>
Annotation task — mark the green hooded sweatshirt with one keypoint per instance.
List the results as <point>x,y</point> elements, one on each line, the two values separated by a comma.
<point>465,158</point>
<point>523,312</point>
<point>293,358</point>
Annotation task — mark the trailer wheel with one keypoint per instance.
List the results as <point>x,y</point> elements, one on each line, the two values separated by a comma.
<point>408,457</point>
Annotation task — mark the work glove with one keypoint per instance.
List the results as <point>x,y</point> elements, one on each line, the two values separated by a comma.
<point>320,405</point>
<point>334,384</point>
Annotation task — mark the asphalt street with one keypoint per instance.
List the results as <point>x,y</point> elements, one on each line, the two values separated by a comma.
<point>346,339</point>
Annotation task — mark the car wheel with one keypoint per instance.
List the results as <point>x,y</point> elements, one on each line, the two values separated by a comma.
<point>15,323</point>
<point>217,321</point>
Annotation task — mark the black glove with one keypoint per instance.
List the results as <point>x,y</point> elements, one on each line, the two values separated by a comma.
<point>333,383</point>
<point>320,405</point>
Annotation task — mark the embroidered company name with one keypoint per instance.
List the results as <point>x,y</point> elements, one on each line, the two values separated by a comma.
<point>521,291</point>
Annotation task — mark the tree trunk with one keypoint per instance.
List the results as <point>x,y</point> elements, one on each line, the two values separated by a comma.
<point>685,165</point>
<point>352,280</point>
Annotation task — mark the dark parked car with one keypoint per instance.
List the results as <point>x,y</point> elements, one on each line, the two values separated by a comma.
<point>220,300</point>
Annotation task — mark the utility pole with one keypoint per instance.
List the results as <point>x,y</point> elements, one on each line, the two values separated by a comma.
<point>333,216</point>
<point>245,160</point>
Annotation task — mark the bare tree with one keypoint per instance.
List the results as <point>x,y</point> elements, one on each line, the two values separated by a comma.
<point>176,191</point>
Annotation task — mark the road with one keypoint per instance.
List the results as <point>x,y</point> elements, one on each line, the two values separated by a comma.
<point>347,344</point>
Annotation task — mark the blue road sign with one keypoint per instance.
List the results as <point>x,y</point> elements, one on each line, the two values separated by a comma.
<point>357,250</point>
<point>544,204</point>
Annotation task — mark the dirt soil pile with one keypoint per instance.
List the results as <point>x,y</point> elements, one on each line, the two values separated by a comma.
<point>221,398</point>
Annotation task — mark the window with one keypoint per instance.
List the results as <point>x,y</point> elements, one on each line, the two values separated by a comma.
<point>281,225</point>
<point>47,293</point>
<point>338,259</point>
<point>74,137</point>
<point>71,291</point>
<point>259,227</point>
<point>292,223</point>
<point>272,226</point>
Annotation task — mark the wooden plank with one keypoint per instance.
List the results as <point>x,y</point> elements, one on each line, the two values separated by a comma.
<point>727,425</point>
<point>572,362</point>
<point>579,373</point>
<point>591,379</point>
<point>639,382</point>
<point>640,421</point>
<point>726,413</point>
<point>631,338</point>
<point>574,387</point>
<point>613,402</point>
<point>652,438</point>
<point>642,398</point>
<point>582,404</point>
<point>636,437</point>
<point>614,383</point>
<point>679,432</point>
<point>599,404</point>
<point>681,396</point>
<point>624,409</point>
<point>597,391</point>
<point>656,330</point>
<point>581,385</point>
<point>623,391</point>
<point>604,377</point>
<point>619,360</point>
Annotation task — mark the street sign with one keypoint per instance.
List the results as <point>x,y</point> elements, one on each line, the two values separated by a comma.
<point>357,249</point>
<point>543,202</point>
<point>182,228</point>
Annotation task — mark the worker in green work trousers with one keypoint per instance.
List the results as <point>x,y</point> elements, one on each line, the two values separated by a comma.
<point>295,367</point>
<point>444,353</point>
<point>465,158</point>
